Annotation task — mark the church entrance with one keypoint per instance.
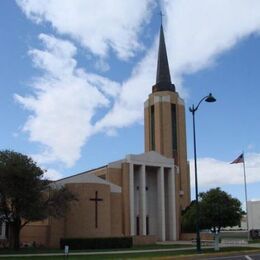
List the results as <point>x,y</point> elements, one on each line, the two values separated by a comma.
<point>138,226</point>
<point>154,201</point>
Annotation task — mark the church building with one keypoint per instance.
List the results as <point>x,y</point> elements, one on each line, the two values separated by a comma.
<point>140,194</point>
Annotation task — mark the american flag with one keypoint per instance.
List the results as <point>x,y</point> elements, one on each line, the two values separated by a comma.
<point>239,159</point>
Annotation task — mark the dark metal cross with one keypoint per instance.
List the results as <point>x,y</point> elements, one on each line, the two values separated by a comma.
<point>161,14</point>
<point>96,199</point>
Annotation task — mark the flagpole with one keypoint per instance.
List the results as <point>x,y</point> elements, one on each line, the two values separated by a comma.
<point>244,167</point>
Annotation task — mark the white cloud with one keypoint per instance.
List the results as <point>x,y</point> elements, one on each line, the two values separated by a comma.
<point>128,107</point>
<point>196,33</point>
<point>101,65</point>
<point>96,25</point>
<point>64,101</point>
<point>52,174</point>
<point>213,173</point>
<point>255,199</point>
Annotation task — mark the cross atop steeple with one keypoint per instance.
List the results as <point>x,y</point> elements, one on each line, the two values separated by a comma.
<point>161,14</point>
<point>163,77</point>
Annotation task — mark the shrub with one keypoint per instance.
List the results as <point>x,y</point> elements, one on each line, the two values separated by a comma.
<point>97,243</point>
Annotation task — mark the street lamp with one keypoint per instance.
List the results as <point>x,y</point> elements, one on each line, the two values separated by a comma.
<point>193,109</point>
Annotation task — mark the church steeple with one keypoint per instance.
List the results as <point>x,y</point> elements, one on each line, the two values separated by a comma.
<point>163,77</point>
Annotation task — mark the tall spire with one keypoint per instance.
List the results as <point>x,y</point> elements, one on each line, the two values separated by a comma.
<point>163,77</point>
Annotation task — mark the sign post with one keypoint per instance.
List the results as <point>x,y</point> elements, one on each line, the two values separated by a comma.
<point>66,251</point>
<point>216,242</point>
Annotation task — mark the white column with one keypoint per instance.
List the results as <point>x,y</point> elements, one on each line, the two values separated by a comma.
<point>142,193</point>
<point>131,198</point>
<point>172,205</point>
<point>161,204</point>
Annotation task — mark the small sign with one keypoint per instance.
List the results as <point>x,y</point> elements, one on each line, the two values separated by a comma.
<point>216,244</point>
<point>66,250</point>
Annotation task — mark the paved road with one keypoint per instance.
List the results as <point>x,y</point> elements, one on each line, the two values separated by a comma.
<point>237,257</point>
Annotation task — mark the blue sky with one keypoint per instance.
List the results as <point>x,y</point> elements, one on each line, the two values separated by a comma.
<point>74,77</point>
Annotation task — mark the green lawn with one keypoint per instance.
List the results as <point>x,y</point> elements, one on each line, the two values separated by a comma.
<point>137,255</point>
<point>38,251</point>
<point>255,241</point>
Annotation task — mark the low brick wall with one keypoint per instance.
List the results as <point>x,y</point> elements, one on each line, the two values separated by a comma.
<point>144,240</point>
<point>4,243</point>
<point>34,233</point>
<point>192,236</point>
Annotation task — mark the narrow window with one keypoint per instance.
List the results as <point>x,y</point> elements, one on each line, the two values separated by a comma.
<point>152,129</point>
<point>6,230</point>
<point>137,226</point>
<point>174,128</point>
<point>147,225</point>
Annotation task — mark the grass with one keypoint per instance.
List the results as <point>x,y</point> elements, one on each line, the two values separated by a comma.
<point>45,250</point>
<point>255,241</point>
<point>147,255</point>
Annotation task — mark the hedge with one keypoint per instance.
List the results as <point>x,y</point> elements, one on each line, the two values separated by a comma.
<point>97,243</point>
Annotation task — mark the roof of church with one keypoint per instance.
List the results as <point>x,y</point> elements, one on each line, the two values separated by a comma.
<point>88,177</point>
<point>163,76</point>
<point>151,158</point>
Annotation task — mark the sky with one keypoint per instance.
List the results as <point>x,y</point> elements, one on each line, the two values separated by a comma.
<point>75,74</point>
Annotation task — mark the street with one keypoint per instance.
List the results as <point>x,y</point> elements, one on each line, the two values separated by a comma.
<point>238,257</point>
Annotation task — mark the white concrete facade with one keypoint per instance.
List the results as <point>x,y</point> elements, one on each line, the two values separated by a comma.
<point>253,214</point>
<point>152,195</point>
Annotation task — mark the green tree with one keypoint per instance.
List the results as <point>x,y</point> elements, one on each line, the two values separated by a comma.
<point>217,209</point>
<point>25,195</point>
<point>189,217</point>
<point>188,220</point>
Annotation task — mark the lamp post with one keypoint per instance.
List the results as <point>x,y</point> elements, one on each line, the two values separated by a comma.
<point>193,109</point>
